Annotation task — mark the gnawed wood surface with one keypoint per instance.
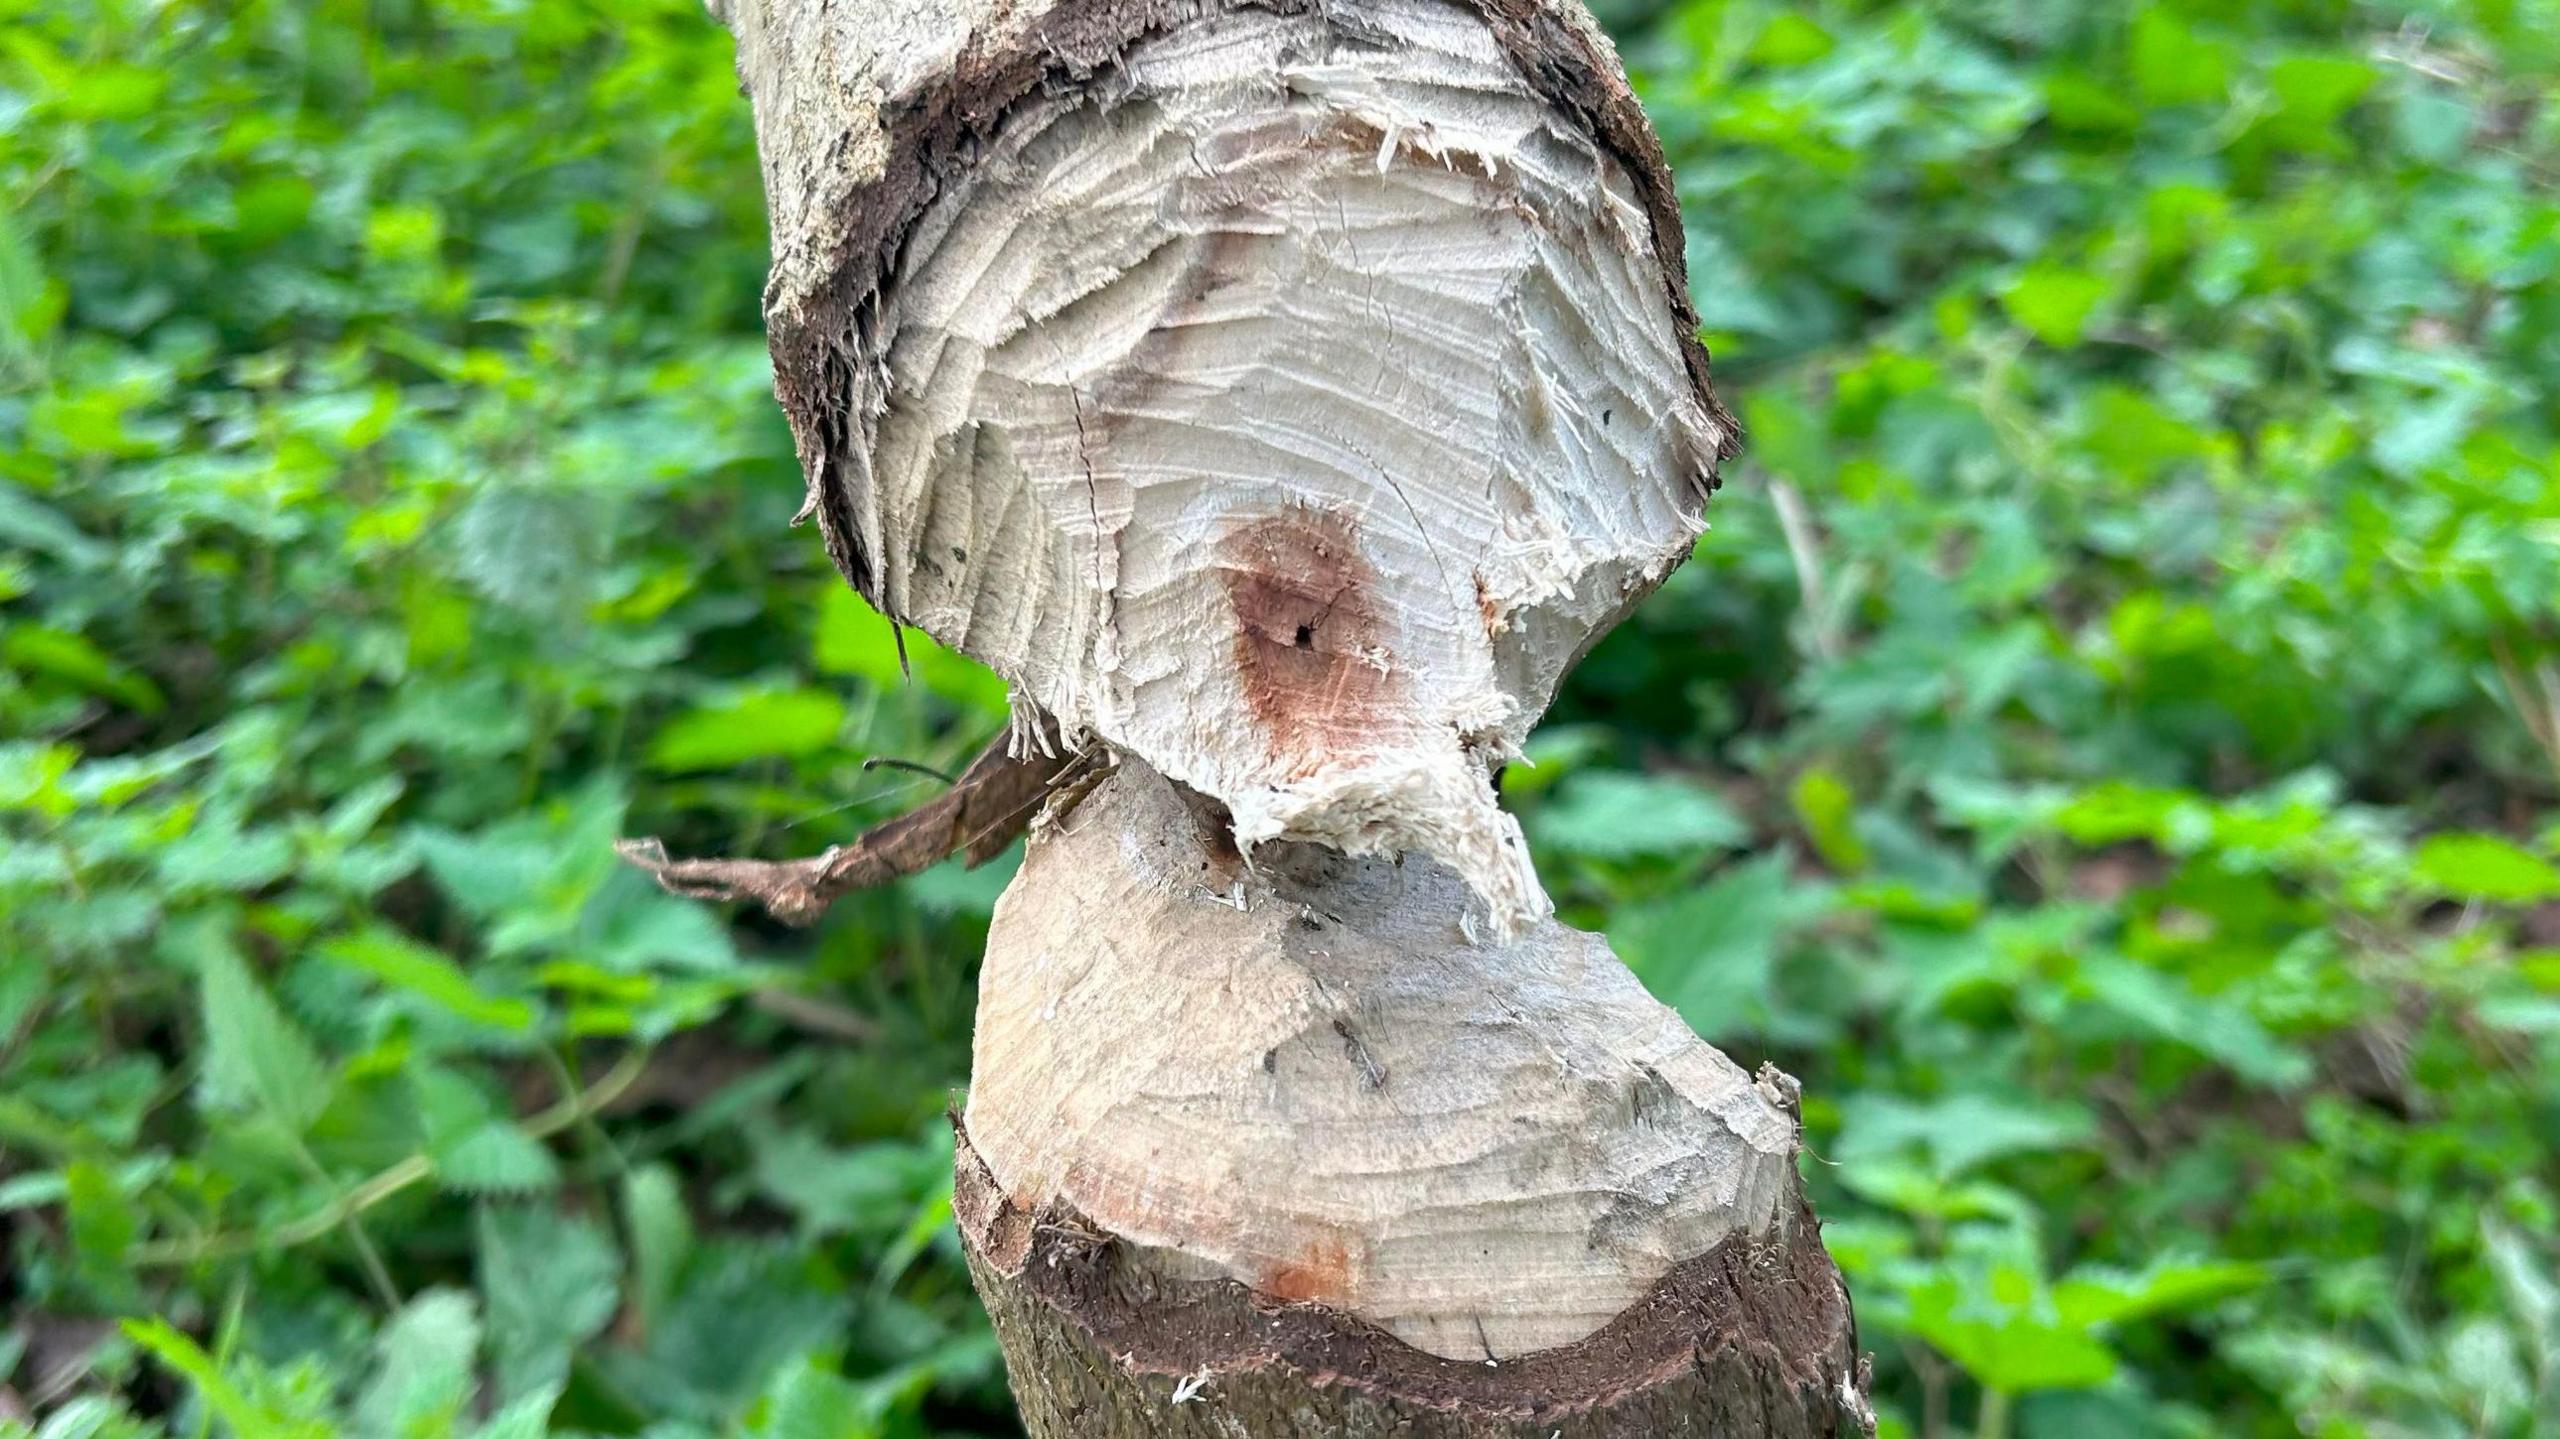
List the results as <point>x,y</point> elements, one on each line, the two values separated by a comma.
<point>1290,400</point>
<point>1306,1076</point>
<point>1282,1151</point>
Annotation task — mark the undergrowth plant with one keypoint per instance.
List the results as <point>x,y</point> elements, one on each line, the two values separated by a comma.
<point>2107,745</point>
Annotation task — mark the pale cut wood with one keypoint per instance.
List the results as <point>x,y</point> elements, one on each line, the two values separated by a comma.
<point>1290,402</point>
<point>1306,1076</point>
<point>1282,1150</point>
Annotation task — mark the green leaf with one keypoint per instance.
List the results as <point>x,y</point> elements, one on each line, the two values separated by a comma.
<point>248,1420</point>
<point>2007,1349</point>
<point>404,964</point>
<point>1711,952</point>
<point>2483,866</point>
<point>744,1308</point>
<point>2529,1281</point>
<point>26,320</point>
<point>867,1188</point>
<point>1960,1131</point>
<point>103,1223</point>
<point>2173,65</point>
<point>495,1158</point>
<point>2054,302</point>
<point>2092,1297</point>
<point>72,660</point>
<point>808,1402</point>
<point>1828,812</point>
<point>1614,815</point>
<point>854,639</point>
<point>526,1418</point>
<point>1790,39</point>
<point>2221,1029</point>
<point>2313,92</point>
<point>753,724</point>
<point>548,1283</point>
<point>661,1231</point>
<point>423,1366</point>
<point>255,1058</point>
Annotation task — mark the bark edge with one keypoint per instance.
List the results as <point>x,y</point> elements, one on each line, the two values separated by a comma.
<point>1755,1337</point>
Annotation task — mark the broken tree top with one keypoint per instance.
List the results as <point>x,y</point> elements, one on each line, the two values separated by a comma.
<point>1285,394</point>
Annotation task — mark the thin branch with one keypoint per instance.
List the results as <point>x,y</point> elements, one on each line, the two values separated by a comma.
<point>882,761</point>
<point>976,818</point>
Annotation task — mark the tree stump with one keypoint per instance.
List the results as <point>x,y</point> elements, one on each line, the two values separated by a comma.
<point>1283,1151</point>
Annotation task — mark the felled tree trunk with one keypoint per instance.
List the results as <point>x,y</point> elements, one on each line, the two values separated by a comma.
<point>1281,396</point>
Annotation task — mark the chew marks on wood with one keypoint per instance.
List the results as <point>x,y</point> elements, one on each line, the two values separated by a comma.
<point>1284,323</point>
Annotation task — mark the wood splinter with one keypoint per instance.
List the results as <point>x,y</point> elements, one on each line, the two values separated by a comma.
<point>1281,396</point>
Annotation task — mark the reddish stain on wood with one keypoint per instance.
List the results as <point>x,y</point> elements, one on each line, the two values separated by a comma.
<point>1319,1275</point>
<point>1495,620</point>
<point>1309,645</point>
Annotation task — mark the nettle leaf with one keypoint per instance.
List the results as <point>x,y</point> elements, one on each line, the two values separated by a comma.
<point>495,1158</point>
<point>868,1188</point>
<point>751,724</point>
<point>2055,302</point>
<point>72,660</point>
<point>248,1418</point>
<point>103,1221</point>
<point>526,1418</point>
<point>2529,1281</point>
<point>2220,1029</point>
<point>424,1361</point>
<point>1711,952</point>
<point>1916,1191</point>
<point>255,1057</point>
<point>809,1401</point>
<point>406,965</point>
<point>1615,815</point>
<point>530,877</point>
<point>91,1416</point>
<point>2483,866</point>
<point>1828,810</point>
<point>661,1231</point>
<point>549,1282</point>
<point>632,926</point>
<point>2093,1296</point>
<point>1960,1131</point>
<point>741,1309</point>
<point>536,549</point>
<point>219,853</point>
<point>2010,1349</point>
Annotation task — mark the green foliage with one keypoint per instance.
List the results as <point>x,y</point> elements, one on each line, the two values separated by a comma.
<point>392,514</point>
<point>2106,747</point>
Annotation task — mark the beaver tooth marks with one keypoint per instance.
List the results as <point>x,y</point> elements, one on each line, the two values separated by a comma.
<point>1290,406</point>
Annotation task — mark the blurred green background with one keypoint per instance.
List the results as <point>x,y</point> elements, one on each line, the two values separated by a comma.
<point>2107,747</point>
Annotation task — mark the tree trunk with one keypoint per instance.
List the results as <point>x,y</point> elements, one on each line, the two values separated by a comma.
<point>1287,393</point>
<point>1281,1151</point>
<point>1282,395</point>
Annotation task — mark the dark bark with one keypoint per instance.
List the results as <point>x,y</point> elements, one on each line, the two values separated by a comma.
<point>1753,1338</point>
